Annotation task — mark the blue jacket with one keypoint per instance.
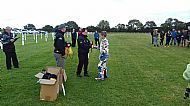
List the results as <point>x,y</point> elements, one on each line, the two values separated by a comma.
<point>174,34</point>
<point>96,35</point>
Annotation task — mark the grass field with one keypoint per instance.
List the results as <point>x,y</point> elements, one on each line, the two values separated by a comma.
<point>139,75</point>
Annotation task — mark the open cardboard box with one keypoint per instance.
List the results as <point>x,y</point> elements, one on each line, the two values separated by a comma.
<point>51,88</point>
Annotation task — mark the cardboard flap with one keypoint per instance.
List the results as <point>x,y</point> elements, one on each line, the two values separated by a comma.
<point>39,75</point>
<point>65,76</point>
<point>47,82</point>
<point>53,70</point>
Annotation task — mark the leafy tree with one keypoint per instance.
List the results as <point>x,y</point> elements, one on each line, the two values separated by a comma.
<point>30,27</point>
<point>150,24</point>
<point>134,25</point>
<point>48,28</point>
<point>71,25</point>
<point>121,27</point>
<point>91,28</point>
<point>103,25</point>
<point>114,29</point>
<point>171,23</point>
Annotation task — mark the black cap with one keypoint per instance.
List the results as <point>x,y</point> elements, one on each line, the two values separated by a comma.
<point>62,26</point>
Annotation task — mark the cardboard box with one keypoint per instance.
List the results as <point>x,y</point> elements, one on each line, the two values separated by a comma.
<point>50,88</point>
<point>62,79</point>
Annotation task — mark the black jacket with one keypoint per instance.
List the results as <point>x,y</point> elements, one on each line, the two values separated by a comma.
<point>8,46</point>
<point>83,44</point>
<point>59,43</point>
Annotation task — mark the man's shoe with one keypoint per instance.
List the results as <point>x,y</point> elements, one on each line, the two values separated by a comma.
<point>9,68</point>
<point>97,78</point>
<point>79,76</point>
<point>86,75</point>
<point>16,67</point>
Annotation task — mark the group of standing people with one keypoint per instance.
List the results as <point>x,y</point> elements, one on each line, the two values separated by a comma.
<point>180,37</point>
<point>84,44</point>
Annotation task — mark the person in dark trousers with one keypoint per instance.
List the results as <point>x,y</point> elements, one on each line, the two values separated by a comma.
<point>74,37</point>
<point>178,37</point>
<point>84,45</point>
<point>162,34</point>
<point>59,45</point>
<point>152,36</point>
<point>183,38</point>
<point>96,38</point>
<point>9,48</point>
<point>174,35</point>
<point>188,38</point>
<point>168,38</point>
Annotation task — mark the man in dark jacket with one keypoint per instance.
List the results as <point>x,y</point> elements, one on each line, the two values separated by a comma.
<point>84,45</point>
<point>9,48</point>
<point>74,37</point>
<point>178,37</point>
<point>59,45</point>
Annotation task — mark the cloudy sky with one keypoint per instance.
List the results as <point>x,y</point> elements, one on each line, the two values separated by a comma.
<point>17,13</point>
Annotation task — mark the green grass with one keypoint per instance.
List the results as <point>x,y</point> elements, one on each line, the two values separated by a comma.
<point>139,75</point>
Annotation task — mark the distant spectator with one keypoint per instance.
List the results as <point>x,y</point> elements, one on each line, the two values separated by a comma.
<point>79,32</point>
<point>174,35</point>
<point>162,34</point>
<point>155,38</point>
<point>188,38</point>
<point>168,38</point>
<point>152,36</point>
<point>96,38</point>
<point>179,34</point>
<point>184,38</point>
<point>74,37</point>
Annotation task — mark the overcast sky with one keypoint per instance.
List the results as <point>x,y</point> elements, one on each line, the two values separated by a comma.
<point>17,13</point>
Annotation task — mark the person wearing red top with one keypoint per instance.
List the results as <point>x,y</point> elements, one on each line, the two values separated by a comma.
<point>79,32</point>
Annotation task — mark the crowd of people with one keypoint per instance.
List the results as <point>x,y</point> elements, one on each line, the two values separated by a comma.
<point>84,44</point>
<point>174,37</point>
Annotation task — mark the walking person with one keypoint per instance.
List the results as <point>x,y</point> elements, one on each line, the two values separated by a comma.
<point>74,37</point>
<point>83,49</point>
<point>59,46</point>
<point>9,48</point>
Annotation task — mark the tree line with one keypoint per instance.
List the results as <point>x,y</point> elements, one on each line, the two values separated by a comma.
<point>133,25</point>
